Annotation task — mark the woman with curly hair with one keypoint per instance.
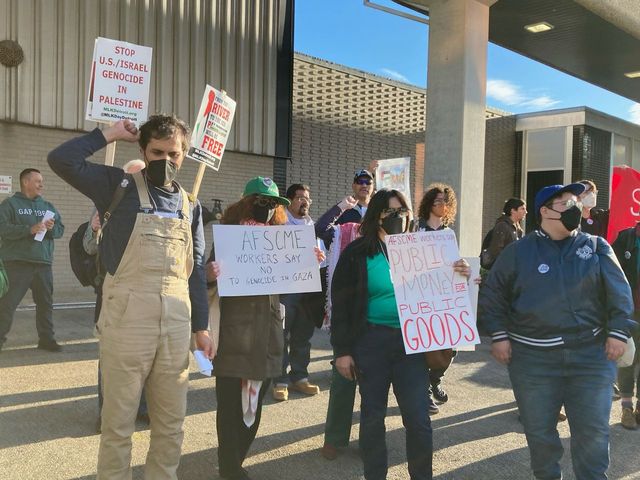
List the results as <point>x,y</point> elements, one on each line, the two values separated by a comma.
<point>438,208</point>
<point>248,351</point>
<point>437,211</point>
<point>250,344</point>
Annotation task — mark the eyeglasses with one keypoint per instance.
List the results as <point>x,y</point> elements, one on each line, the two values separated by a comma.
<point>439,201</point>
<point>400,212</point>
<point>303,199</point>
<point>363,181</point>
<point>263,201</point>
<point>567,203</point>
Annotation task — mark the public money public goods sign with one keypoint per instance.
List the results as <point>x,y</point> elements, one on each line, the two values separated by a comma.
<point>433,300</point>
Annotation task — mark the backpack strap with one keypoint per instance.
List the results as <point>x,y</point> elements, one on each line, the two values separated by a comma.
<point>118,195</point>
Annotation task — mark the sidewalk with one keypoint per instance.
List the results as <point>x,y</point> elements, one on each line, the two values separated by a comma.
<point>48,411</point>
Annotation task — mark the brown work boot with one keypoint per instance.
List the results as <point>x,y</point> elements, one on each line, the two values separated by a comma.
<point>303,386</point>
<point>280,393</point>
<point>628,419</point>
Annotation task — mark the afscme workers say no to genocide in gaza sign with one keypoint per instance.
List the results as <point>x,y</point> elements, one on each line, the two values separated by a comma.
<point>119,85</point>
<point>433,301</point>
<point>211,128</point>
<point>257,260</point>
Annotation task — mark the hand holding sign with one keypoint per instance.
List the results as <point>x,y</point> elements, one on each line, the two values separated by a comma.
<point>124,130</point>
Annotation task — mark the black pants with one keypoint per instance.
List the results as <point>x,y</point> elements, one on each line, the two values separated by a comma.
<point>234,437</point>
<point>24,276</point>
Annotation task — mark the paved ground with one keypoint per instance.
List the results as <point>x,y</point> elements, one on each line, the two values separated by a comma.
<point>48,409</point>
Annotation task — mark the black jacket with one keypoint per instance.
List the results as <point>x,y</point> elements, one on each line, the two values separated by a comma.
<point>627,252</point>
<point>349,298</point>
<point>546,295</point>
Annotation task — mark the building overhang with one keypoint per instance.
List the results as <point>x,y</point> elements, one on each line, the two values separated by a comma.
<point>594,40</point>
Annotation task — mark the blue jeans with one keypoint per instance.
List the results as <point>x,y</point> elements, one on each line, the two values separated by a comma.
<point>298,330</point>
<point>381,361</point>
<point>579,378</point>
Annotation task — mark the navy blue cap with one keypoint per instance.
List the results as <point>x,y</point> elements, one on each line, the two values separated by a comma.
<point>546,193</point>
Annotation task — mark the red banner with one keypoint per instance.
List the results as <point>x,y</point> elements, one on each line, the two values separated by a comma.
<point>625,200</point>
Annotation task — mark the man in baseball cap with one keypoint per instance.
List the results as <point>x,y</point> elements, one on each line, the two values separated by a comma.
<point>557,306</point>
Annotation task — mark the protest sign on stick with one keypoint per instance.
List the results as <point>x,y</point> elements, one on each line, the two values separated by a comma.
<point>394,173</point>
<point>211,131</point>
<point>119,85</point>
<point>119,82</point>
<point>433,300</point>
<point>259,260</point>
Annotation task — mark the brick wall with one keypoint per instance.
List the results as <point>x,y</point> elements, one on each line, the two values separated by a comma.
<point>499,168</point>
<point>344,118</point>
<point>27,146</point>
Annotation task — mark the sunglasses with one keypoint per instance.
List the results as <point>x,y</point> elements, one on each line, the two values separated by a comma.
<point>303,199</point>
<point>263,201</point>
<point>400,212</point>
<point>363,181</point>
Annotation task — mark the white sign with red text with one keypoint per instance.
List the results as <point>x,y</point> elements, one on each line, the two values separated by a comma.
<point>120,79</point>
<point>433,300</point>
<point>211,128</point>
<point>5,184</point>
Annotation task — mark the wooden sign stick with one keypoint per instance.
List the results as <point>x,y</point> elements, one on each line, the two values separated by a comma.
<point>110,153</point>
<point>198,180</point>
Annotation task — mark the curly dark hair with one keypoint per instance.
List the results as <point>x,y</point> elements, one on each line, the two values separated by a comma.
<point>370,223</point>
<point>450,202</point>
<point>236,213</point>
<point>163,126</point>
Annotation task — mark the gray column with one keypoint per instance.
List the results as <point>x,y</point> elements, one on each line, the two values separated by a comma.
<point>456,94</point>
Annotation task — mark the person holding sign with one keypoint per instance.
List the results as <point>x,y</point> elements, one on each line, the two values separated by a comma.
<point>152,248</point>
<point>558,308</point>
<point>437,211</point>
<point>251,342</point>
<point>28,226</point>
<point>368,344</point>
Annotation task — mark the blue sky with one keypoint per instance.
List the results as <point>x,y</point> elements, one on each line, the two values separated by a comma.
<point>348,33</point>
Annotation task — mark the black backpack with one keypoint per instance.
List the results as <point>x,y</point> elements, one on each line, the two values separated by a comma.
<point>84,266</point>
<point>486,260</point>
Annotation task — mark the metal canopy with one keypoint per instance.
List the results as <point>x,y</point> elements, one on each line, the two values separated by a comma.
<point>581,44</point>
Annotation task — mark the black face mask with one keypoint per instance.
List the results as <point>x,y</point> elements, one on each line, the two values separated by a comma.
<point>161,172</point>
<point>570,218</point>
<point>394,224</point>
<point>262,214</point>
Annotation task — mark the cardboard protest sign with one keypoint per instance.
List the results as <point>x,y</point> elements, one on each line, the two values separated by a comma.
<point>625,201</point>
<point>211,128</point>
<point>394,173</point>
<point>257,260</point>
<point>433,301</point>
<point>119,84</point>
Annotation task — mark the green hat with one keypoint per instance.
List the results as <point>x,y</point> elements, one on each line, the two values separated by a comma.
<point>267,187</point>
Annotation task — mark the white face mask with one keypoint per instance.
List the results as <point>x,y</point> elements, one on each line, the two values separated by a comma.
<point>589,200</point>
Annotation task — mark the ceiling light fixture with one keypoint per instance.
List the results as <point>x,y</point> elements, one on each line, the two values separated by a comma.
<point>635,74</point>
<point>538,27</point>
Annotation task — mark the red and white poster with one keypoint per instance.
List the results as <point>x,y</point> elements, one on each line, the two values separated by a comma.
<point>434,305</point>
<point>119,85</point>
<point>211,128</point>
<point>625,200</point>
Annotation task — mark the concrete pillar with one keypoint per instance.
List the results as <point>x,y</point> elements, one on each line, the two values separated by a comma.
<point>456,99</point>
